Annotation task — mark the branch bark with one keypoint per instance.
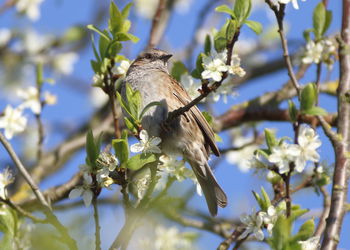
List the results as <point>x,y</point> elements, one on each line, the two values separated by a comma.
<point>342,143</point>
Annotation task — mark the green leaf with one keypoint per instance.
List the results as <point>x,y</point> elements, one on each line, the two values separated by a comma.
<point>102,46</point>
<point>95,66</point>
<point>280,234</point>
<point>199,63</point>
<point>328,22</point>
<point>121,149</point>
<point>230,29</point>
<point>124,105</point>
<point>305,232</point>
<point>297,212</point>
<point>91,149</point>
<point>116,19</point>
<point>254,26</point>
<point>138,161</point>
<point>292,110</point>
<point>308,96</point>
<point>207,45</point>
<point>306,34</point>
<point>94,48</point>
<point>242,10</point>
<point>39,75</point>
<point>113,48</point>
<point>122,36</point>
<point>267,201</point>
<point>130,124</point>
<point>134,101</point>
<point>315,111</point>
<point>8,221</point>
<point>220,43</point>
<point>93,28</point>
<point>126,10</point>
<point>148,106</point>
<point>259,200</point>
<point>270,139</point>
<point>178,70</point>
<point>208,117</point>
<point>225,9</point>
<point>319,20</point>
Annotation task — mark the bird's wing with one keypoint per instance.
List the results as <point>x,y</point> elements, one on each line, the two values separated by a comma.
<point>184,98</point>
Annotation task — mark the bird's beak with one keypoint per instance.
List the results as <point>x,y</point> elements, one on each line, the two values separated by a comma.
<point>165,58</point>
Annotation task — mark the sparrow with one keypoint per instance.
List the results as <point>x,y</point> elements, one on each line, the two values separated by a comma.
<point>188,135</point>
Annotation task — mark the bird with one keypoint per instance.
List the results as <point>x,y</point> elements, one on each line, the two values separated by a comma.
<point>188,135</point>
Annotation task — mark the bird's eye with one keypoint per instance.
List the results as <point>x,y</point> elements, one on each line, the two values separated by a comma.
<point>148,56</point>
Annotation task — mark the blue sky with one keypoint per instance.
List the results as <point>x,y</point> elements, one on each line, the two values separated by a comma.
<point>74,108</point>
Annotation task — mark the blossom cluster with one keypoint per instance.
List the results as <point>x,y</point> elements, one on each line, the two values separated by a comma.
<point>299,154</point>
<point>105,164</point>
<point>13,121</point>
<point>321,51</point>
<point>215,65</point>
<point>255,221</point>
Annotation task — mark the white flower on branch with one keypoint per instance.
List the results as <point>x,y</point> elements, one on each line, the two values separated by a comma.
<point>30,8</point>
<point>214,65</point>
<point>146,144</point>
<point>31,99</point>
<point>283,155</point>
<point>34,43</point>
<point>191,86</point>
<point>6,178</point>
<point>270,217</point>
<point>313,52</point>
<point>174,167</point>
<point>225,90</point>
<point>308,143</point>
<point>64,62</point>
<point>310,244</point>
<point>105,164</point>
<point>142,185</point>
<point>235,67</point>
<point>253,224</point>
<point>12,121</point>
<point>50,99</point>
<point>5,36</point>
<point>122,68</point>
<point>294,2</point>
<point>84,190</point>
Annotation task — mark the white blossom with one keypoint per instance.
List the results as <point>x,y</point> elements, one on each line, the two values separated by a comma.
<point>6,178</point>
<point>97,96</point>
<point>105,164</point>
<point>235,66</point>
<point>191,86</point>
<point>122,68</point>
<point>12,121</point>
<point>270,217</point>
<point>253,224</point>
<point>146,8</point>
<point>5,36</point>
<point>223,92</point>
<point>64,62</point>
<point>310,244</point>
<point>308,143</point>
<point>284,154</point>
<point>313,52</point>
<point>142,185</point>
<point>50,99</point>
<point>84,190</point>
<point>146,144</point>
<point>242,158</point>
<point>34,43</point>
<point>214,65</point>
<point>29,8</point>
<point>31,99</point>
<point>294,2</point>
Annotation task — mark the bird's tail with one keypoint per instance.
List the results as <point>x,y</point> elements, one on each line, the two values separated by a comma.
<point>212,191</point>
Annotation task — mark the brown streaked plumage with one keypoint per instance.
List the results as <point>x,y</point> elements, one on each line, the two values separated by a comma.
<point>188,135</point>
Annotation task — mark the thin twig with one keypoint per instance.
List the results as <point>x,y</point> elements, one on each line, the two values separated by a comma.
<point>326,205</point>
<point>279,13</point>
<point>156,24</point>
<point>24,172</point>
<point>342,145</point>
<point>97,224</point>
